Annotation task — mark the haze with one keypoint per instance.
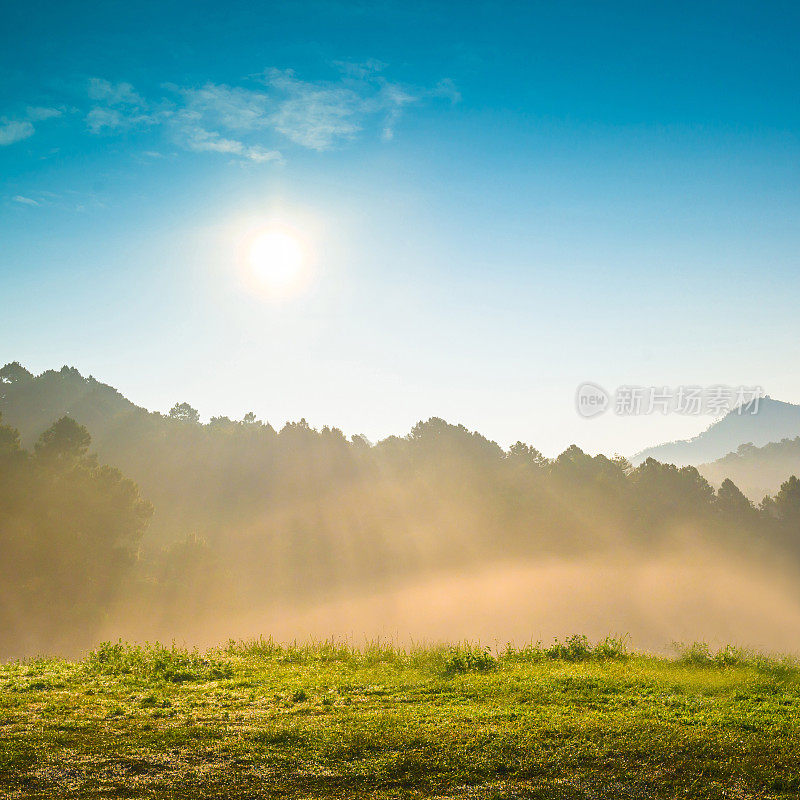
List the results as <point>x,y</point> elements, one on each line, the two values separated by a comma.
<point>297,296</point>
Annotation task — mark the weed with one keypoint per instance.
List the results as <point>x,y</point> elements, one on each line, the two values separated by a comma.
<point>468,658</point>
<point>156,662</point>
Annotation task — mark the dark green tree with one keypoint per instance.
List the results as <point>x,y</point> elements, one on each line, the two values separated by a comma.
<point>787,501</point>
<point>65,442</point>
<point>525,454</point>
<point>69,535</point>
<point>183,412</point>
<point>731,500</point>
<point>14,373</point>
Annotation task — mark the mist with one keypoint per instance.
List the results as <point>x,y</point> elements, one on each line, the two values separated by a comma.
<point>200,533</point>
<point>686,595</point>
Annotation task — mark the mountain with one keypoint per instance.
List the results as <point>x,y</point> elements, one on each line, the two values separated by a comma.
<point>772,421</point>
<point>246,516</point>
<point>757,471</point>
<point>139,442</point>
<point>32,403</point>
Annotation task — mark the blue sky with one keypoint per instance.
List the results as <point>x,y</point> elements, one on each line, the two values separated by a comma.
<point>502,200</point>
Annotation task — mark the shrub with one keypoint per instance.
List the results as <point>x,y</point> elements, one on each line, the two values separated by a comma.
<point>700,654</point>
<point>611,649</point>
<point>155,661</point>
<point>468,658</point>
<point>527,654</point>
<point>697,654</point>
<point>574,648</point>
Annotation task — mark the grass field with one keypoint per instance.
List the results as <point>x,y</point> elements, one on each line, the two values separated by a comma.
<point>326,720</point>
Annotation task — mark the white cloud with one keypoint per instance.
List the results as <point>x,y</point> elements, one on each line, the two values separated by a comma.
<point>234,108</point>
<point>69,200</point>
<point>262,155</point>
<point>38,113</point>
<point>201,140</point>
<point>446,88</point>
<point>319,115</point>
<point>209,141</point>
<point>99,118</point>
<point>15,130</point>
<point>119,106</point>
<point>247,122</point>
<point>392,99</point>
<point>114,94</point>
<point>314,115</point>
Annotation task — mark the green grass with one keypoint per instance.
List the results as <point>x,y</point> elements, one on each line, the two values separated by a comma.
<point>258,719</point>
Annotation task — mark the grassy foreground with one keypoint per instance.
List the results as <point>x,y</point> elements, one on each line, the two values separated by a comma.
<point>324,720</point>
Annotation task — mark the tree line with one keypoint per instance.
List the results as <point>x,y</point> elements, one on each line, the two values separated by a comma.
<point>243,514</point>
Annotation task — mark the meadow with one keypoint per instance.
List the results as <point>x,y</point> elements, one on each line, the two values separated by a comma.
<point>326,719</point>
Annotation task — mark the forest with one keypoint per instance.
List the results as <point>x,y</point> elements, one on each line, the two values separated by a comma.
<point>191,521</point>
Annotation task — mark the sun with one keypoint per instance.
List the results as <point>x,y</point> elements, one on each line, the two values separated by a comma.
<point>278,261</point>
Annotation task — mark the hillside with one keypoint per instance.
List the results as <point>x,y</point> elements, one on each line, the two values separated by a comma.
<point>32,403</point>
<point>246,517</point>
<point>773,421</point>
<point>757,471</point>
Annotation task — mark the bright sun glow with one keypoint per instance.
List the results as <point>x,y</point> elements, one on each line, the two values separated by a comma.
<point>278,261</point>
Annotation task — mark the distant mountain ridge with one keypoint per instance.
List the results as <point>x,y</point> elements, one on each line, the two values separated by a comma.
<point>772,421</point>
<point>757,471</point>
